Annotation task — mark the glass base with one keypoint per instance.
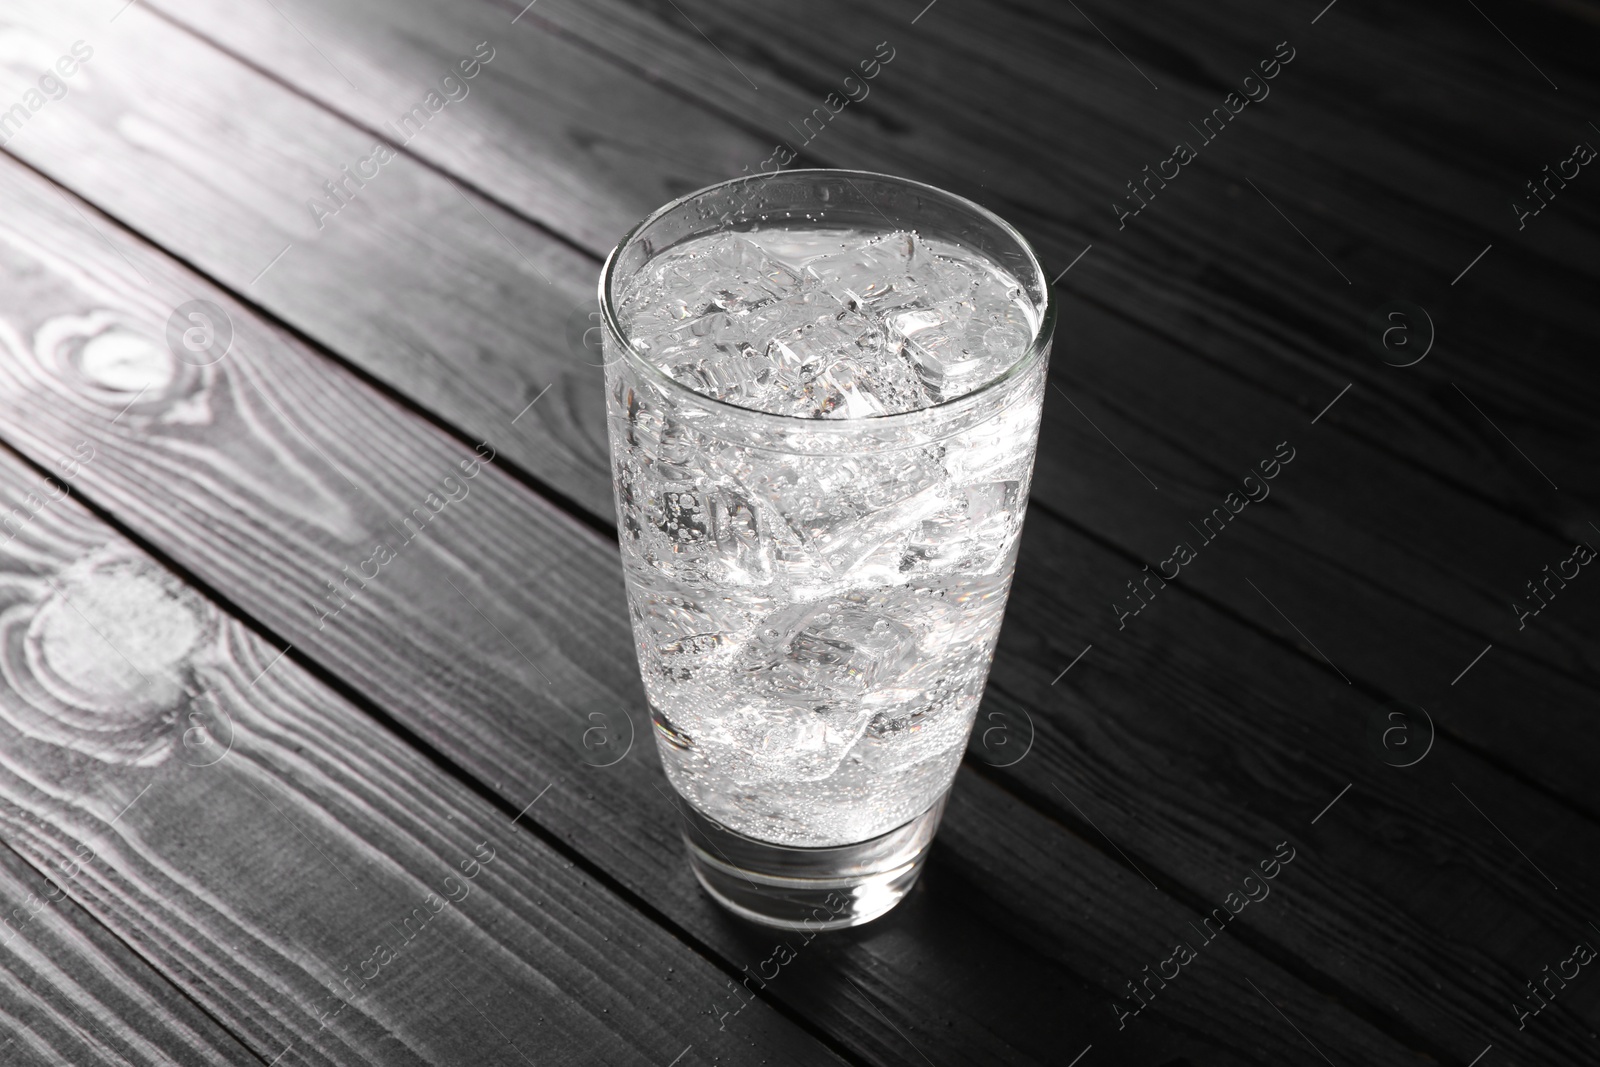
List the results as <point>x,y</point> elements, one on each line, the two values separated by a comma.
<point>809,888</point>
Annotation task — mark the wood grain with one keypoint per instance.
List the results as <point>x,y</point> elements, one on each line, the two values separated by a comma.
<point>1448,595</point>
<point>1209,261</point>
<point>1152,377</point>
<point>1189,732</point>
<point>229,192</point>
<point>496,637</point>
<point>542,113</point>
<point>1365,455</point>
<point>1365,562</point>
<point>300,873</point>
<point>1251,298</point>
<point>75,994</point>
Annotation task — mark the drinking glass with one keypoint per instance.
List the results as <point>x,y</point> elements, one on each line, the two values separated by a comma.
<point>816,589</point>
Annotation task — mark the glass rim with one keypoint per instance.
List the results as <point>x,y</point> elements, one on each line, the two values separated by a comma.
<point>1042,335</point>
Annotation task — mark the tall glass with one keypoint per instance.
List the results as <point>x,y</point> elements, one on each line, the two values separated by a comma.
<point>816,595</point>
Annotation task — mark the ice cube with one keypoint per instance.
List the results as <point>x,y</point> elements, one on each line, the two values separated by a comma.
<point>805,745</point>
<point>816,332</point>
<point>882,383</point>
<point>849,647</point>
<point>890,270</point>
<point>935,547</point>
<point>736,528</point>
<point>678,447</point>
<point>735,374</point>
<point>967,535</point>
<point>844,546</point>
<point>710,355</point>
<point>843,391</point>
<point>680,514</point>
<point>647,317</point>
<point>842,365</point>
<point>953,348</point>
<point>815,654</point>
<point>694,646</point>
<point>887,477</point>
<point>992,505</point>
<point>932,338</point>
<point>729,273</point>
<point>679,338</point>
<point>679,630</point>
<point>831,513</point>
<point>832,361</point>
<point>991,452</point>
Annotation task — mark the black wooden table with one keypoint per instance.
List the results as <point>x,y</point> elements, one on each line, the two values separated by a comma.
<point>321,735</point>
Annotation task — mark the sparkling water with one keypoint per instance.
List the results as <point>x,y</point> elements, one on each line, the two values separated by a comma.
<point>816,596</point>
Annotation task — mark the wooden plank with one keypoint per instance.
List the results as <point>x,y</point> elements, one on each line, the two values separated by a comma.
<point>1072,74</point>
<point>498,635</point>
<point>429,301</point>
<point>1141,387</point>
<point>1365,561</point>
<point>303,875</point>
<point>910,136</point>
<point>258,839</point>
<point>933,119</point>
<point>75,994</point>
<point>575,155</point>
<point>1321,142</point>
<point>1188,712</point>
